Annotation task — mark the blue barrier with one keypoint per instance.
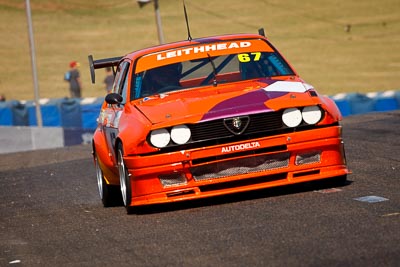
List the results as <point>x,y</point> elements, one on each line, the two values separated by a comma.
<point>20,114</point>
<point>6,114</point>
<point>397,97</point>
<point>355,103</point>
<point>13,113</point>
<point>65,112</point>
<point>77,136</point>
<point>83,113</point>
<point>343,104</point>
<point>385,101</point>
<point>90,112</point>
<point>360,103</point>
<point>50,113</point>
<point>71,110</point>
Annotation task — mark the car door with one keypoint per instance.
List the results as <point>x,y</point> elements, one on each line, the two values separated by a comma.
<point>112,113</point>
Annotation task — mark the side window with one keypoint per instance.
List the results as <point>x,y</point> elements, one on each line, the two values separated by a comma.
<point>117,78</point>
<point>121,80</point>
<point>137,86</point>
<point>124,82</point>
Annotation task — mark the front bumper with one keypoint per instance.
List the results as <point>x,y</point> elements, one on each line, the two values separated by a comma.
<point>237,167</point>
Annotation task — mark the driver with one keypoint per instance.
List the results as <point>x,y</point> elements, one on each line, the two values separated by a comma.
<point>162,79</point>
<point>250,70</point>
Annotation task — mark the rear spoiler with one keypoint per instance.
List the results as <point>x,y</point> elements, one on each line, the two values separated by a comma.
<point>102,63</point>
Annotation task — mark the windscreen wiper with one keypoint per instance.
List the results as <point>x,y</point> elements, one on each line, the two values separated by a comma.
<point>214,69</point>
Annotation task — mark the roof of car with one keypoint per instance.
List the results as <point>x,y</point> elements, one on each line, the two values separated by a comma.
<point>211,39</point>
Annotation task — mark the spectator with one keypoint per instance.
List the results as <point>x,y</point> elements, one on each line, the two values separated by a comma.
<point>2,98</point>
<point>109,80</point>
<point>74,79</point>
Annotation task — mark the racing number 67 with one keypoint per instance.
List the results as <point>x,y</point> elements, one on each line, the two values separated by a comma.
<point>247,57</point>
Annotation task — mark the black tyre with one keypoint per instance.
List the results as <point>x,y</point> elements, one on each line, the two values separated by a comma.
<point>109,194</point>
<point>125,182</point>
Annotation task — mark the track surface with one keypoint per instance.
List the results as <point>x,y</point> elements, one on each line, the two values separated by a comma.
<point>51,215</point>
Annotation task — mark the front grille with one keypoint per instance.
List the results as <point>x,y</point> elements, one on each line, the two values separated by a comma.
<point>243,182</point>
<point>240,166</point>
<point>271,149</point>
<point>216,129</point>
<point>172,179</point>
<point>308,158</point>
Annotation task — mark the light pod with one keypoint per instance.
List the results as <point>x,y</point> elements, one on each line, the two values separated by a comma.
<point>311,114</point>
<point>291,117</point>
<point>160,138</point>
<point>180,134</point>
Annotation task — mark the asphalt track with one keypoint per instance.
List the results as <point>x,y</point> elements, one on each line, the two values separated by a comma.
<point>51,215</point>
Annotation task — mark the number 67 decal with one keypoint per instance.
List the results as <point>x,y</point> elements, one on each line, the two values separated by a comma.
<point>247,57</point>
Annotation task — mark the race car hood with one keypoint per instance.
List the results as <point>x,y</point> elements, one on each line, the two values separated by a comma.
<point>224,101</point>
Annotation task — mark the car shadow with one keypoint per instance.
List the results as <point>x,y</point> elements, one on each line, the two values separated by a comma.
<point>243,196</point>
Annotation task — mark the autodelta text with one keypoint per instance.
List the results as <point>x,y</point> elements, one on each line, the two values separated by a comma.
<point>240,147</point>
<point>202,49</point>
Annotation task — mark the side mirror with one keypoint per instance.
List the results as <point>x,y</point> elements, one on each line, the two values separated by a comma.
<point>114,98</point>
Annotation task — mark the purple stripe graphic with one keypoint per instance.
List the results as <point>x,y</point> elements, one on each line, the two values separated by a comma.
<point>250,103</point>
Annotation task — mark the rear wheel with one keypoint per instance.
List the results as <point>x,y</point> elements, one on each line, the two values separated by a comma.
<point>109,194</point>
<point>125,182</point>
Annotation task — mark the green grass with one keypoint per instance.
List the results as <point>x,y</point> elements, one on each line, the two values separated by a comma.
<point>310,34</point>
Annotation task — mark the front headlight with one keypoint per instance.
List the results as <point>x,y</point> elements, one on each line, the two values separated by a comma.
<point>160,138</point>
<point>180,134</point>
<point>291,117</point>
<point>312,114</point>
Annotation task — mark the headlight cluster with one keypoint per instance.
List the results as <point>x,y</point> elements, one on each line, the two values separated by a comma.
<point>178,134</point>
<point>292,117</point>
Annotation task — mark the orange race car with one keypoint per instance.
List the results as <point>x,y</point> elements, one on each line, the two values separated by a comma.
<point>208,117</point>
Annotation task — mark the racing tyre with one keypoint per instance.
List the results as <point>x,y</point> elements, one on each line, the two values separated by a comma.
<point>109,195</point>
<point>124,179</point>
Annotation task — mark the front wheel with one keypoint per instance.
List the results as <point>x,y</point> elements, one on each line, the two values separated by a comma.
<point>109,194</point>
<point>124,179</point>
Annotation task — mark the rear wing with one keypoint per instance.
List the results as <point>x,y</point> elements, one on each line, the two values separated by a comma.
<point>102,63</point>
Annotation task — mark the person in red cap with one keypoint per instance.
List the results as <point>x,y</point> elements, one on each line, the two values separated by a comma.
<point>74,78</point>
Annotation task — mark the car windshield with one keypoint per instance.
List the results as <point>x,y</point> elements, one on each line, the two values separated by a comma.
<point>210,70</point>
